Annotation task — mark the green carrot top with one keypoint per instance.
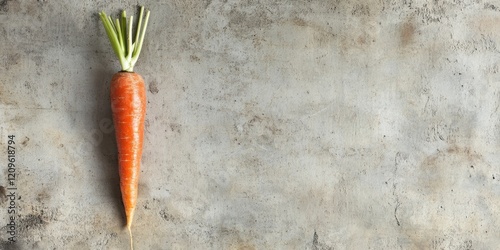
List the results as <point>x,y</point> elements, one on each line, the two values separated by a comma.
<point>120,35</point>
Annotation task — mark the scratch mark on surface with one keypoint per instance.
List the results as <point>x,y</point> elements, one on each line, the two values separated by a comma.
<point>396,212</point>
<point>261,147</point>
<point>426,103</point>
<point>315,113</point>
<point>319,111</point>
<point>496,107</point>
<point>397,160</point>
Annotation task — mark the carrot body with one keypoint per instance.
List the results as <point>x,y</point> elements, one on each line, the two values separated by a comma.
<point>128,105</point>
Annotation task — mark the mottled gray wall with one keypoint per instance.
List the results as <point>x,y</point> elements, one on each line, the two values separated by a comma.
<point>290,124</point>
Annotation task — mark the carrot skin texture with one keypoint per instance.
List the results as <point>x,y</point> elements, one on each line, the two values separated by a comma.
<point>128,105</point>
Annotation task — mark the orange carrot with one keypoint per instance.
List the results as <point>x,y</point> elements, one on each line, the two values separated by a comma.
<point>128,104</point>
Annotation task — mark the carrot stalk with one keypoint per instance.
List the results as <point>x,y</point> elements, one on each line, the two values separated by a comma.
<point>128,105</point>
<point>126,49</point>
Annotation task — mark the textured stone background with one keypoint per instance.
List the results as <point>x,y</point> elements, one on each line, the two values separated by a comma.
<point>289,124</point>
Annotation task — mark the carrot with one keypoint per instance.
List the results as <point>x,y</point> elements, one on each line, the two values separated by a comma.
<point>128,105</point>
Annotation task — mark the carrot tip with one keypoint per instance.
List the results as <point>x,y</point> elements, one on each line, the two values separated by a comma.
<point>131,239</point>
<point>129,227</point>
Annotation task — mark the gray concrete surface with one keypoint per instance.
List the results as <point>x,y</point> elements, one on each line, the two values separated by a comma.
<point>271,125</point>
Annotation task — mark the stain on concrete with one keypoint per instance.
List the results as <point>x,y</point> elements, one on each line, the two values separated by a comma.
<point>194,58</point>
<point>6,245</point>
<point>438,178</point>
<point>407,33</point>
<point>3,195</point>
<point>168,217</point>
<point>25,141</point>
<point>31,222</point>
<point>243,21</point>
<point>490,6</point>
<point>153,87</point>
<point>447,243</point>
<point>236,242</point>
<point>360,10</point>
<point>299,22</point>
<point>317,245</point>
<point>447,182</point>
<point>175,127</point>
<point>4,5</point>
<point>43,196</point>
<point>257,130</point>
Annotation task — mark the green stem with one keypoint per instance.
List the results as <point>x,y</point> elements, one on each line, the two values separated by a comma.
<point>126,49</point>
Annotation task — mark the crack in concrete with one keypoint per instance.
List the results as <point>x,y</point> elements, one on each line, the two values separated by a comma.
<point>396,213</point>
<point>315,241</point>
<point>397,161</point>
